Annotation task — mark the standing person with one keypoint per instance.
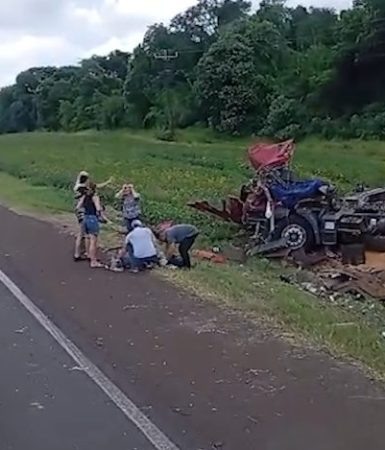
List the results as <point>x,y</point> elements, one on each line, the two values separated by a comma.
<point>131,209</point>
<point>140,249</point>
<point>80,189</point>
<point>81,183</point>
<point>93,214</point>
<point>183,236</point>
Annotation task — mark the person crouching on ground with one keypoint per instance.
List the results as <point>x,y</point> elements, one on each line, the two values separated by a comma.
<point>182,236</point>
<point>140,248</point>
<point>130,207</point>
<point>80,189</point>
<point>90,204</point>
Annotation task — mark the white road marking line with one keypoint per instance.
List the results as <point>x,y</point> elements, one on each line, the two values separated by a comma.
<point>157,438</point>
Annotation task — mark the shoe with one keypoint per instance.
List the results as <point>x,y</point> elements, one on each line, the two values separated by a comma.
<point>80,258</point>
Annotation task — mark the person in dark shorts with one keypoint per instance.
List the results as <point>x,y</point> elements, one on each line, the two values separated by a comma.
<point>93,215</point>
<point>182,236</point>
<point>80,189</point>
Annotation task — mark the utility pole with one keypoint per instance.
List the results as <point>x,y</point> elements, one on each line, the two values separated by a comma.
<point>167,56</point>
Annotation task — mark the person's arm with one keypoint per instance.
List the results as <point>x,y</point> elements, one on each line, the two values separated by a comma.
<point>97,203</point>
<point>127,239</point>
<point>136,195</point>
<point>153,238</point>
<point>105,183</point>
<point>99,208</point>
<point>119,195</point>
<point>123,250</point>
<point>170,249</point>
<point>80,202</point>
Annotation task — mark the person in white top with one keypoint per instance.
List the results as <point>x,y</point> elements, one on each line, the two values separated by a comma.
<point>141,247</point>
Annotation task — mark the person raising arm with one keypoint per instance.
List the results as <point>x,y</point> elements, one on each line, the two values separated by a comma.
<point>93,214</point>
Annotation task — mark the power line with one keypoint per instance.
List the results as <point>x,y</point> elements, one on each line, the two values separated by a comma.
<point>166,55</point>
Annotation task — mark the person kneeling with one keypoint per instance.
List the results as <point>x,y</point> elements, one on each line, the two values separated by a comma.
<point>140,251</point>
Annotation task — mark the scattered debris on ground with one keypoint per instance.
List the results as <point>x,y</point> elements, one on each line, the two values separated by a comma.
<point>330,276</point>
<point>211,256</point>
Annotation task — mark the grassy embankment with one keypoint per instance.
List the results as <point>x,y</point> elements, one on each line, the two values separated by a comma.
<point>37,171</point>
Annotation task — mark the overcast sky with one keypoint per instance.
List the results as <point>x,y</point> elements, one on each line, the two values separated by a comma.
<point>56,32</point>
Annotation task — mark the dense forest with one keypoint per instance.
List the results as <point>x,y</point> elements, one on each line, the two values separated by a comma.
<point>276,71</point>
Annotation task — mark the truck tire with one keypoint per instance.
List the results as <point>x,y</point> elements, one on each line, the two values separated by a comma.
<point>298,232</point>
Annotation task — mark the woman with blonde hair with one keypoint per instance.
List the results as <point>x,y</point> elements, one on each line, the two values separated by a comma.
<point>130,205</point>
<point>80,189</point>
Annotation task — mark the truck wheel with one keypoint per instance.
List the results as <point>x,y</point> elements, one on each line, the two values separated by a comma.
<point>297,231</point>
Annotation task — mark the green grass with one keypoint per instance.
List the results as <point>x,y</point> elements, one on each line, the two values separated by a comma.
<point>39,169</point>
<point>40,199</point>
<point>257,292</point>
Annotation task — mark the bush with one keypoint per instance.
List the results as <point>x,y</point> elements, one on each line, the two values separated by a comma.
<point>166,135</point>
<point>369,124</point>
<point>286,119</point>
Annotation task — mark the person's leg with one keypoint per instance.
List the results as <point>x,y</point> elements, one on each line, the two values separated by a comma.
<point>124,256</point>
<point>93,249</point>
<point>184,248</point>
<point>79,243</point>
<point>84,247</point>
<point>133,262</point>
<point>150,262</point>
<point>92,229</point>
<point>127,224</point>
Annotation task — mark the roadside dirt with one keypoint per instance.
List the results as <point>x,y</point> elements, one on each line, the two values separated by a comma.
<point>206,378</point>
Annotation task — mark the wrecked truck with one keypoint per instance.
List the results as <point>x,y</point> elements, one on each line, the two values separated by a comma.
<point>279,210</point>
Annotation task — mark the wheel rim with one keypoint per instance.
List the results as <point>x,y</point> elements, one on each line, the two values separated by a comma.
<point>295,236</point>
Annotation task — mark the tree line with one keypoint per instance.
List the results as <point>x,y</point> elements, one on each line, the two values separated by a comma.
<point>277,71</point>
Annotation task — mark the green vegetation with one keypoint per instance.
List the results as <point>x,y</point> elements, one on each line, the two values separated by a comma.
<point>32,199</point>
<point>169,175</point>
<point>257,292</point>
<point>275,71</point>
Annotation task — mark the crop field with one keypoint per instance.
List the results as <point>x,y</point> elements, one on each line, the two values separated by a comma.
<point>170,174</point>
<point>39,169</point>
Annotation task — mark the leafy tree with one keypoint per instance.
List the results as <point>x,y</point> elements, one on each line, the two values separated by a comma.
<point>67,116</point>
<point>236,76</point>
<point>278,71</point>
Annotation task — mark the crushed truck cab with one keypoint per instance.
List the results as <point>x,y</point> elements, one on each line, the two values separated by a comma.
<point>276,206</point>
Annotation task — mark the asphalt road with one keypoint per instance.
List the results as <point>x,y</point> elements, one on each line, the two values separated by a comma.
<point>207,378</point>
<point>46,403</point>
